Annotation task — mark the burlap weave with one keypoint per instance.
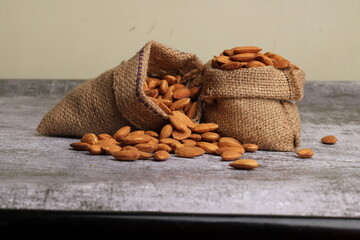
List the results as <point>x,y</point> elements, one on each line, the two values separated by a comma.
<point>116,98</point>
<point>255,105</point>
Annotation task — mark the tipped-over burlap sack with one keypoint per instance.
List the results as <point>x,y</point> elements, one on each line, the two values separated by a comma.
<point>116,98</point>
<point>255,105</point>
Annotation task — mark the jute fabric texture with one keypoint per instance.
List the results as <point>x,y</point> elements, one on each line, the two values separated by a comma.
<point>255,105</point>
<point>116,97</point>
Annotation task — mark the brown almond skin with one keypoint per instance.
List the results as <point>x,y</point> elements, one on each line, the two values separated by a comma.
<point>122,132</point>
<point>246,49</point>
<point>95,149</point>
<point>107,141</point>
<point>164,107</point>
<point>249,147</point>
<point>229,143</point>
<point>103,136</point>
<point>245,164</point>
<point>195,137</point>
<point>243,57</point>
<point>181,135</point>
<point>181,93</point>
<point>189,142</point>
<point>170,79</point>
<point>184,118</point>
<point>110,149</point>
<point>220,150</point>
<point>230,155</point>
<point>189,152</point>
<point>191,112</point>
<point>232,66</point>
<point>163,147</point>
<point>135,139</point>
<point>145,155</point>
<point>152,133</point>
<point>145,147</point>
<point>201,128</point>
<point>329,139</point>
<point>126,155</point>
<point>166,131</point>
<point>305,153</point>
<point>161,155</point>
<point>208,147</point>
<point>222,60</point>
<point>169,141</point>
<point>281,63</point>
<point>212,126</point>
<point>177,123</point>
<point>264,59</point>
<point>90,138</point>
<point>80,146</point>
<point>255,63</point>
<point>210,136</point>
<point>179,104</point>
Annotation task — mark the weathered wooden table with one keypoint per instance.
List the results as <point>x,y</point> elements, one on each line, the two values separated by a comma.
<point>46,187</point>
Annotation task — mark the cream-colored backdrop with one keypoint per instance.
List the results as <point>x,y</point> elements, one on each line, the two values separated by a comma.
<point>79,39</point>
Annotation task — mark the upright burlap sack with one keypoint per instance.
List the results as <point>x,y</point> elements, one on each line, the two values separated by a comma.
<point>116,97</point>
<point>255,105</point>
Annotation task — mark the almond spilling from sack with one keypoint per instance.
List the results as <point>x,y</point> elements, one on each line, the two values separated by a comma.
<point>249,57</point>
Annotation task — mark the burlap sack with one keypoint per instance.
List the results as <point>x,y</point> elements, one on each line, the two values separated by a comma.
<point>255,105</point>
<point>116,98</point>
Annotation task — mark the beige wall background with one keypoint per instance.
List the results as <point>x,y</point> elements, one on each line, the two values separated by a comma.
<point>79,39</point>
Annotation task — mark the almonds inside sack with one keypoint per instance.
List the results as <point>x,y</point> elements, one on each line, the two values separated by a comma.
<point>171,93</point>
<point>181,137</point>
<point>249,57</point>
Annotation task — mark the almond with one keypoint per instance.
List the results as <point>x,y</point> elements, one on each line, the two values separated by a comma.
<point>169,141</point>
<point>122,132</point>
<point>189,152</point>
<point>194,92</point>
<point>152,133</point>
<point>164,86</point>
<point>228,52</point>
<point>185,119</point>
<point>181,93</point>
<point>168,95</point>
<point>246,164</point>
<point>264,59</point>
<point>126,155</point>
<point>195,137</point>
<point>191,112</point>
<point>249,147</point>
<point>246,49</point>
<point>305,153</point>
<point>208,147</point>
<point>152,93</point>
<point>110,149</point>
<point>189,142</point>
<point>137,132</point>
<point>181,135</point>
<point>129,148</point>
<point>176,145</point>
<point>166,131</point>
<point>329,139</point>
<point>103,136</point>
<point>222,139</point>
<point>232,65</point>
<point>164,107</point>
<point>178,124</point>
<point>283,63</point>
<point>170,79</point>
<point>179,104</point>
<point>135,139</point>
<point>210,136</point>
<point>95,149</point>
<point>80,146</point>
<point>201,128</point>
<point>152,83</point>
<point>163,147</point>
<point>229,143</point>
<point>243,57</point>
<point>230,155</point>
<point>255,63</point>
<point>145,155</point>
<point>161,155</point>
<point>107,141</point>
<point>145,147</point>
<point>220,150</point>
<point>89,138</point>
<point>222,59</point>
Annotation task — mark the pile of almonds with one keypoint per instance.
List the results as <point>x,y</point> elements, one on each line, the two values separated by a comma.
<point>249,57</point>
<point>170,94</point>
<point>181,136</point>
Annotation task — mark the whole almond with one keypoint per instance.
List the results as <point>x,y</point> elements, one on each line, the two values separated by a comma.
<point>329,139</point>
<point>164,86</point>
<point>163,147</point>
<point>169,141</point>
<point>246,164</point>
<point>152,93</point>
<point>103,136</point>
<point>249,147</point>
<point>210,136</point>
<point>195,137</point>
<point>177,123</point>
<point>121,133</point>
<point>222,139</point>
<point>137,132</point>
<point>145,147</point>
<point>222,59</point>
<point>145,155</point>
<point>246,49</point>
<point>208,147</point>
<point>220,150</point>
<point>191,112</point>
<point>152,133</point>
<point>170,79</point>
<point>212,126</point>
<point>228,52</point>
<point>176,145</point>
<point>181,93</point>
<point>153,141</point>
<point>161,155</point>
<point>179,104</point>
<point>109,149</point>
<point>194,92</point>
<point>264,59</point>
<point>229,143</point>
<point>135,139</point>
<point>230,155</point>
<point>185,119</point>
<point>168,95</point>
<point>201,128</point>
<point>126,155</point>
<point>166,131</point>
<point>189,142</point>
<point>152,83</point>
<point>95,149</point>
<point>255,63</point>
<point>243,57</point>
<point>181,135</point>
<point>164,107</point>
<point>80,146</point>
<point>305,153</point>
<point>89,138</point>
<point>189,152</point>
<point>281,64</point>
<point>232,66</point>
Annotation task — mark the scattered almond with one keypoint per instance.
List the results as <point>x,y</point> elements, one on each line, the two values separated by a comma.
<point>305,153</point>
<point>249,147</point>
<point>329,139</point>
<point>230,155</point>
<point>246,164</point>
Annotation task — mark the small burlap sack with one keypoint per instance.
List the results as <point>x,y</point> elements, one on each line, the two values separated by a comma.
<point>116,98</point>
<point>255,105</point>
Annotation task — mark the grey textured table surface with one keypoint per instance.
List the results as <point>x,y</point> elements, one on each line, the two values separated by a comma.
<point>39,172</point>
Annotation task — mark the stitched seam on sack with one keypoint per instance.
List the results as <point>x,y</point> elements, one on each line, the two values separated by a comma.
<point>137,85</point>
